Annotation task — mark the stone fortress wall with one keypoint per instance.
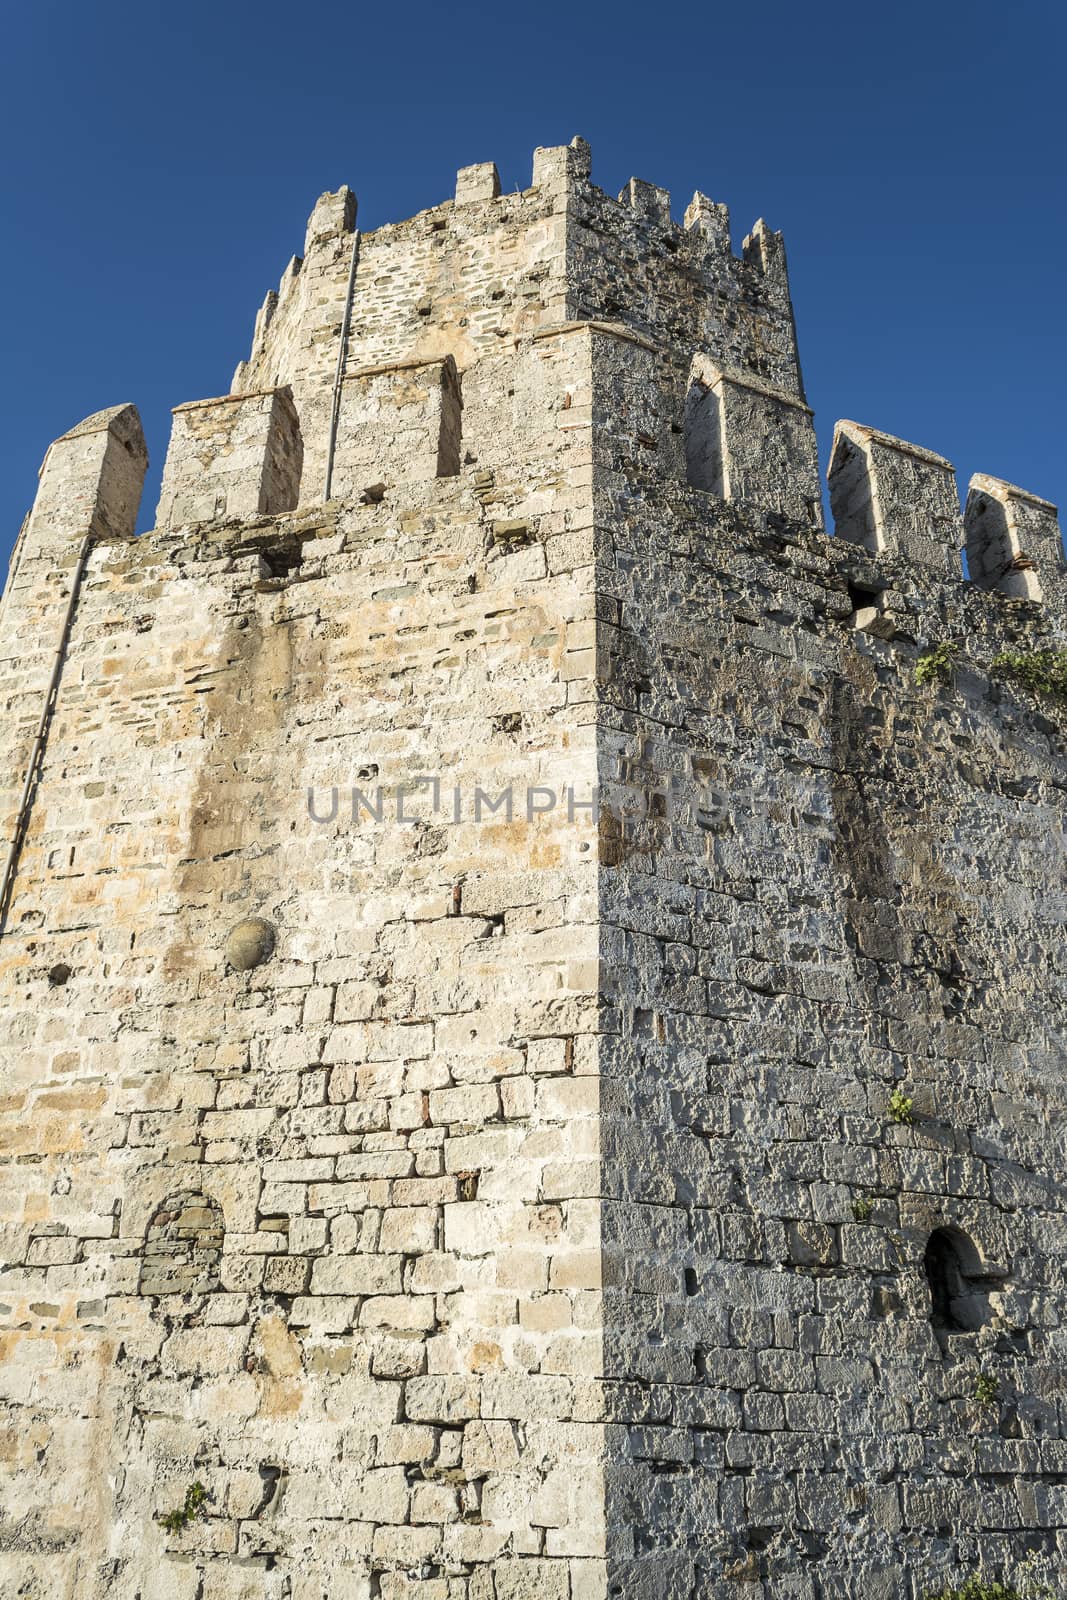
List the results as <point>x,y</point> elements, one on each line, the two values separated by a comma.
<point>511,1208</point>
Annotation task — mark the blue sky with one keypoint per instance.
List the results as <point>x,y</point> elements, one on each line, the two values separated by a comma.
<point>161,161</point>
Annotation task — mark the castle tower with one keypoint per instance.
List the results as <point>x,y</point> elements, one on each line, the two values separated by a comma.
<point>534,1006</point>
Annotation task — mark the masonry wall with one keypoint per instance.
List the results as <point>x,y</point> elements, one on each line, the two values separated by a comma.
<point>822,882</point>
<point>319,1236</point>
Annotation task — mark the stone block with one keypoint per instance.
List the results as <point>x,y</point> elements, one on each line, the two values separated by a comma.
<point>397,424</point>
<point>887,495</point>
<point>556,167</point>
<point>333,217</point>
<point>90,484</point>
<point>236,457</point>
<point>652,203</point>
<point>1014,542</point>
<point>746,440</point>
<point>480,182</point>
<point>446,1399</point>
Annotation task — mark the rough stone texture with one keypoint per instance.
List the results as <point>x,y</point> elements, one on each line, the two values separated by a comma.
<point>229,458</point>
<point>1013,541</point>
<point>890,496</point>
<point>747,441</point>
<point>532,1225</point>
<point>405,419</point>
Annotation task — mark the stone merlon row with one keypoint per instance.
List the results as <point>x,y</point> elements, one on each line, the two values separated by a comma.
<point>762,247</point>
<point>239,457</point>
<point>556,163</point>
<point>488,264</point>
<point>897,498</point>
<point>463,312</point>
<point>555,169</point>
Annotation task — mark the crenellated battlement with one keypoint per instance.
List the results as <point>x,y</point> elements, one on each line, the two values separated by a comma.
<point>387,359</point>
<point>487,266</point>
<point>573,253</point>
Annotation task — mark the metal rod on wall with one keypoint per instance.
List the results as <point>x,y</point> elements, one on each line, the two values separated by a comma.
<point>7,883</point>
<point>342,353</point>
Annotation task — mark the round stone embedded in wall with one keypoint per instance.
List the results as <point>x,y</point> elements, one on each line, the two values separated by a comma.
<point>249,944</point>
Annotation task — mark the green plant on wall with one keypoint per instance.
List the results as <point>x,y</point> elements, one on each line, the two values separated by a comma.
<point>862,1208</point>
<point>1042,671</point>
<point>191,1508</point>
<point>986,1389</point>
<point>977,1588</point>
<point>1021,1587</point>
<point>936,665</point>
<point>902,1108</point>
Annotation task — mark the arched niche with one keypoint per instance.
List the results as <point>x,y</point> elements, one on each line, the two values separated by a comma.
<point>183,1246</point>
<point>959,1283</point>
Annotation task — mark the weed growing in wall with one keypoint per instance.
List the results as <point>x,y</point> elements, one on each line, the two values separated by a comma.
<point>936,665</point>
<point>192,1507</point>
<point>902,1107</point>
<point>1021,1587</point>
<point>986,1389</point>
<point>1042,671</point>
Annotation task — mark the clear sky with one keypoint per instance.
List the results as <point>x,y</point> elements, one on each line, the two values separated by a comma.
<point>161,159</point>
